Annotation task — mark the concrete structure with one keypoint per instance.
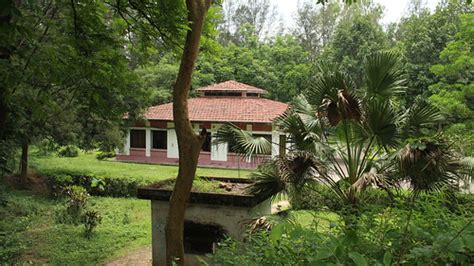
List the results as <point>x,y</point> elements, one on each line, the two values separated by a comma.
<point>209,217</point>
<point>154,140</point>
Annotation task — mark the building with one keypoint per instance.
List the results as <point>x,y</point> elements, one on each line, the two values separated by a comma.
<point>154,140</point>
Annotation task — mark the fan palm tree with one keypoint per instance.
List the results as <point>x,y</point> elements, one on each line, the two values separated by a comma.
<point>342,134</point>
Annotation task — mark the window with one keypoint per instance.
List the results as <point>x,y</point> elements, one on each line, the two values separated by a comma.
<point>252,94</point>
<point>206,145</point>
<point>234,94</point>
<point>137,138</point>
<point>159,139</point>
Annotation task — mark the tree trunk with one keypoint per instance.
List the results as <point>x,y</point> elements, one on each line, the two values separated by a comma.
<point>24,164</point>
<point>189,143</point>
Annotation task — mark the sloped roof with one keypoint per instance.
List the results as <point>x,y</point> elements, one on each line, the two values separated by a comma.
<point>223,109</point>
<point>232,86</point>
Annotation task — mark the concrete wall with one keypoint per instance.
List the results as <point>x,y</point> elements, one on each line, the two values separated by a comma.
<point>232,219</point>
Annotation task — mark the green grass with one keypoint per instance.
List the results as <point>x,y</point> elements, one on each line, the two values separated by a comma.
<point>87,163</point>
<point>323,220</point>
<point>29,221</point>
<point>29,224</point>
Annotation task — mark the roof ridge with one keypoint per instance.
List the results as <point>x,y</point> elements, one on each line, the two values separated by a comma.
<point>231,85</point>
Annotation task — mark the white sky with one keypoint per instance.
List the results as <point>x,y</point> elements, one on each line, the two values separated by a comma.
<point>394,9</point>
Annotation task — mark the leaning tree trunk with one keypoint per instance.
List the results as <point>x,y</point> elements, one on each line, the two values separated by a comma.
<point>189,143</point>
<point>24,164</point>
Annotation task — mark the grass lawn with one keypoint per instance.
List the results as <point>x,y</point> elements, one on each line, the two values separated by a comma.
<point>87,163</point>
<point>323,220</point>
<point>28,228</point>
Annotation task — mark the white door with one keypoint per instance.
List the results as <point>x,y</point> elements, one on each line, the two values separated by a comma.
<point>172,140</point>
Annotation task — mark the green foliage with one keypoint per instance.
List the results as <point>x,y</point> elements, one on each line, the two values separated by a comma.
<point>343,134</point>
<point>68,151</point>
<point>454,91</point>
<point>109,178</point>
<point>28,233</point>
<point>91,219</point>
<point>437,236</point>
<point>357,35</point>
<point>101,155</point>
<point>47,147</point>
<point>422,36</point>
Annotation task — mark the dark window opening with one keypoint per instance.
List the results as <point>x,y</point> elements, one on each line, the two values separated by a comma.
<point>159,139</point>
<point>137,138</point>
<point>201,238</point>
<point>252,94</point>
<point>206,145</point>
<point>223,94</point>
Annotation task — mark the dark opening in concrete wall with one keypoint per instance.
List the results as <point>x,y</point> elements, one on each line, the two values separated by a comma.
<point>201,238</point>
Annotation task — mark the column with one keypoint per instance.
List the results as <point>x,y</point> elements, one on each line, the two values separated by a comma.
<point>126,148</point>
<point>148,142</point>
<point>275,144</point>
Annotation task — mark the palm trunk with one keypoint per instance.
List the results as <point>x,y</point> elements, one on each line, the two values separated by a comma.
<point>189,143</point>
<point>24,164</point>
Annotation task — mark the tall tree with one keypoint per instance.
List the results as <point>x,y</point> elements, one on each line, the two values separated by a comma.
<point>357,35</point>
<point>254,17</point>
<point>315,25</point>
<point>189,143</point>
<point>66,75</point>
<point>454,93</point>
<point>422,37</point>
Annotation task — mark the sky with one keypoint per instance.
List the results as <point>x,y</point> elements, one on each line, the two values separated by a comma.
<point>394,9</point>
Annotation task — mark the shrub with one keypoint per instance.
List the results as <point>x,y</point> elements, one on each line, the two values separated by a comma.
<point>101,155</point>
<point>68,151</point>
<point>58,180</point>
<point>91,219</point>
<point>436,236</point>
<point>77,198</point>
<point>47,147</point>
<point>316,196</point>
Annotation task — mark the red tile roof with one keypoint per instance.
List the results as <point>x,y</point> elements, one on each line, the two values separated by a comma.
<point>232,85</point>
<point>223,109</point>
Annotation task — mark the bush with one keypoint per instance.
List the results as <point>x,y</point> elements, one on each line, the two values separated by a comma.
<point>58,180</point>
<point>316,196</point>
<point>91,219</point>
<point>68,151</point>
<point>436,236</point>
<point>77,198</point>
<point>47,147</point>
<point>101,155</point>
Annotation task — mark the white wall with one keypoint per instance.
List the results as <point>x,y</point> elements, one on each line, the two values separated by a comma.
<point>275,144</point>
<point>172,140</point>
<point>218,151</point>
<point>147,142</point>
<point>126,148</point>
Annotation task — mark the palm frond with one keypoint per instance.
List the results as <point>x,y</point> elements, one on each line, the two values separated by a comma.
<point>383,76</point>
<point>241,141</point>
<point>428,166</point>
<point>380,120</point>
<point>268,180</point>
<point>420,115</point>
